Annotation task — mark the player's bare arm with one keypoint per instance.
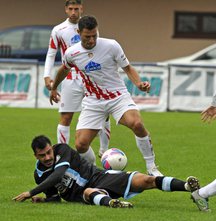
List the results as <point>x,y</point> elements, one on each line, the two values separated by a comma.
<point>60,76</point>
<point>134,77</point>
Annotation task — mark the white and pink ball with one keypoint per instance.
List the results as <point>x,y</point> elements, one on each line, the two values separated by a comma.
<point>114,159</point>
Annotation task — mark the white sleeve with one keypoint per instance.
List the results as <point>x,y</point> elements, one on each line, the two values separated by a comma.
<point>67,59</point>
<point>51,54</point>
<point>119,55</point>
<point>49,63</point>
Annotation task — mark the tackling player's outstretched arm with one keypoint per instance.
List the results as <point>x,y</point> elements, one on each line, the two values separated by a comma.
<point>134,77</point>
<point>51,181</point>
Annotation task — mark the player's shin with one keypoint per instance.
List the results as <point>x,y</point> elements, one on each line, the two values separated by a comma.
<point>170,184</point>
<point>145,147</point>
<point>104,135</point>
<point>98,198</point>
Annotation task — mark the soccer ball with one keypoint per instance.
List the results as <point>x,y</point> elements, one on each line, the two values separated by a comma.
<point>114,159</point>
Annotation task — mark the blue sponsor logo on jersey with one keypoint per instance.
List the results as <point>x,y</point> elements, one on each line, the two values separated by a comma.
<point>92,66</point>
<point>75,39</point>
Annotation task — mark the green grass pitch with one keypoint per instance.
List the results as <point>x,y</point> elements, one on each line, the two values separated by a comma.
<point>183,146</point>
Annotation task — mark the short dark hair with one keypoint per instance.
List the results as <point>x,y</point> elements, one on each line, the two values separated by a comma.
<point>73,2</point>
<point>40,142</point>
<point>88,21</point>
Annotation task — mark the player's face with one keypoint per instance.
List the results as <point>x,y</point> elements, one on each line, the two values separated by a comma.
<point>74,12</point>
<point>88,38</point>
<point>45,156</point>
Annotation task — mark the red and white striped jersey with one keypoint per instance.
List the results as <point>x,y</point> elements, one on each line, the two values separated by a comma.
<point>99,67</point>
<point>63,36</point>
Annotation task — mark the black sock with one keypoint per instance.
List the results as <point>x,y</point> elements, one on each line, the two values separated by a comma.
<point>98,198</point>
<point>177,185</point>
<point>169,184</point>
<point>158,182</point>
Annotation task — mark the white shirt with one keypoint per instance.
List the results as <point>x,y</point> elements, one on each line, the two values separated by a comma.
<point>99,67</point>
<point>63,36</point>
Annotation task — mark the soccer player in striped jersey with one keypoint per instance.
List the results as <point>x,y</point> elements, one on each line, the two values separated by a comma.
<point>98,60</point>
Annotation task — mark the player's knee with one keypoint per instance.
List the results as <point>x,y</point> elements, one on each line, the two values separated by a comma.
<point>138,127</point>
<point>81,145</point>
<point>142,182</point>
<point>87,193</point>
<point>149,181</point>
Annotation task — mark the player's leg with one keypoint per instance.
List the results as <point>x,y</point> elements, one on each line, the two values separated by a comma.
<point>128,184</point>
<point>208,190</point>
<point>132,120</point>
<point>83,140</point>
<point>71,100</point>
<point>63,128</point>
<point>101,197</point>
<point>96,196</point>
<point>104,136</point>
<point>90,122</point>
<point>141,182</point>
<point>127,114</point>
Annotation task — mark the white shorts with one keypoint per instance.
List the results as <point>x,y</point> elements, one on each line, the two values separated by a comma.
<point>72,93</point>
<point>95,112</point>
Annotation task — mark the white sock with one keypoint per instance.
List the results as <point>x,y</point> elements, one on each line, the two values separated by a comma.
<point>89,155</point>
<point>145,147</point>
<point>104,136</point>
<point>208,190</point>
<point>63,134</point>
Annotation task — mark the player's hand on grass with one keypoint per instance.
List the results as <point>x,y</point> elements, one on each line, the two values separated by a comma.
<point>209,114</point>
<point>54,96</point>
<point>22,197</point>
<point>144,86</point>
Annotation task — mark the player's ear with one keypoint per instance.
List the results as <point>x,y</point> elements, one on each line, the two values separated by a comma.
<point>65,9</point>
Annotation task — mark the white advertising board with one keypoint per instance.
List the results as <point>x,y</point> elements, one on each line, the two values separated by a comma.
<point>43,92</point>
<point>191,87</point>
<point>18,84</point>
<point>156,99</point>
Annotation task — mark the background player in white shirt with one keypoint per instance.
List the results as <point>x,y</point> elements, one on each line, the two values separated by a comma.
<point>63,36</point>
<point>98,60</point>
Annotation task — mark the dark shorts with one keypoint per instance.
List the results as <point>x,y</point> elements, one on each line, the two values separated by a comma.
<point>116,183</point>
